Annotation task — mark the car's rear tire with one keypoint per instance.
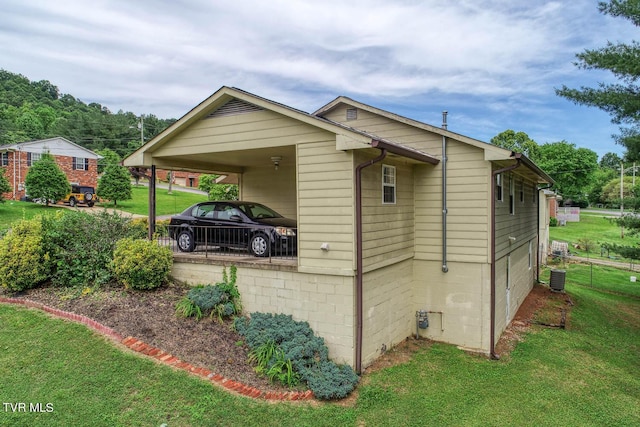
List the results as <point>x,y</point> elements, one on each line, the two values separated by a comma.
<point>72,202</point>
<point>259,245</point>
<point>185,241</point>
<point>90,204</point>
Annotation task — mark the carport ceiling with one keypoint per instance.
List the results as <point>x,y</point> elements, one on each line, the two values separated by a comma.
<point>233,159</point>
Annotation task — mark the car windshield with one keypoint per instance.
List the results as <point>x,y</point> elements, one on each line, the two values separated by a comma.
<point>256,211</point>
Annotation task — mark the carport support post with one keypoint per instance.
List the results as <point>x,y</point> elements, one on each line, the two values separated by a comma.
<point>152,202</point>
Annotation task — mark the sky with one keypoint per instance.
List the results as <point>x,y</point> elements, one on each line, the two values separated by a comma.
<point>492,64</point>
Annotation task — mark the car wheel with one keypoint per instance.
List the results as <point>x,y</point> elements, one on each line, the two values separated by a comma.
<point>72,202</point>
<point>185,241</point>
<point>259,245</point>
<point>90,204</point>
<point>88,196</point>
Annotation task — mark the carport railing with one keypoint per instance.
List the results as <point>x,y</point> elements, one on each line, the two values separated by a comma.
<point>259,243</point>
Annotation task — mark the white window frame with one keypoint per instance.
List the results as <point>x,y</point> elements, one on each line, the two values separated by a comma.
<point>499,189</point>
<point>389,184</point>
<point>79,163</point>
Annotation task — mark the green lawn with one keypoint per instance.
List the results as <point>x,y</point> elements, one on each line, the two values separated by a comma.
<point>586,375</point>
<point>11,211</point>
<point>166,204</point>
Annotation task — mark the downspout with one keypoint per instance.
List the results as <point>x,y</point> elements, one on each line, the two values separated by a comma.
<point>445,268</point>
<point>492,338</point>
<point>358,172</point>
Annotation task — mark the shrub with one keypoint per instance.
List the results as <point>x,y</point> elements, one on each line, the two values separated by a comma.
<point>23,261</point>
<point>279,343</point>
<point>141,264</point>
<point>220,300</point>
<point>81,245</point>
<point>553,222</point>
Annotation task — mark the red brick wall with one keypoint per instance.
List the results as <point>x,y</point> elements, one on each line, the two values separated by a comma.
<point>186,179</point>
<point>19,170</point>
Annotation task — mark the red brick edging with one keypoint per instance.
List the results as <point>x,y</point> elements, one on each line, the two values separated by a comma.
<point>163,357</point>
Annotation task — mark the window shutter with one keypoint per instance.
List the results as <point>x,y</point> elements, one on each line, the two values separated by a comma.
<point>73,162</point>
<point>28,159</point>
<point>86,164</point>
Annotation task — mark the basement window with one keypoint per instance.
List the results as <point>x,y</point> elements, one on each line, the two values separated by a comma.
<point>352,113</point>
<point>388,185</point>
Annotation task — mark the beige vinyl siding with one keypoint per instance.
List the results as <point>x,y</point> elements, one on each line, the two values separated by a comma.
<point>389,129</point>
<point>468,191</point>
<point>468,206</point>
<point>522,225</point>
<point>255,130</point>
<point>273,188</point>
<point>387,229</point>
<point>325,207</point>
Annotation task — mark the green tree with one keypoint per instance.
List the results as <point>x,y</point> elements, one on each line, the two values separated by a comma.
<point>5,187</point>
<point>115,184</point>
<point>46,181</point>
<point>218,191</point>
<point>610,161</point>
<point>571,168</point>
<point>109,157</point>
<point>621,100</point>
<point>518,142</point>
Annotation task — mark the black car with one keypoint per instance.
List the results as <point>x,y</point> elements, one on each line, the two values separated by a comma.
<point>237,225</point>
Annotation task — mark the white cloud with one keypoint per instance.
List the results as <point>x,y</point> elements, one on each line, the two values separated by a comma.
<point>507,55</point>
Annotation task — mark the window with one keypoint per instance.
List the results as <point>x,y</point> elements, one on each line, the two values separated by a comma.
<point>499,187</point>
<point>4,159</point>
<point>388,185</point>
<point>80,164</point>
<point>32,158</point>
<point>521,191</point>
<point>512,196</point>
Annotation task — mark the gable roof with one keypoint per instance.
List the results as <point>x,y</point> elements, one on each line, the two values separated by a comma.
<point>49,143</point>
<point>224,96</point>
<point>492,152</point>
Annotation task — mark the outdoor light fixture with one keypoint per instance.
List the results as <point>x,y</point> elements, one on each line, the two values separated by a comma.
<point>276,161</point>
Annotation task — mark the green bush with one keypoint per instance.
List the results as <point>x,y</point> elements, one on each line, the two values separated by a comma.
<point>24,262</point>
<point>141,264</point>
<point>220,300</point>
<point>553,222</point>
<point>81,245</point>
<point>278,342</point>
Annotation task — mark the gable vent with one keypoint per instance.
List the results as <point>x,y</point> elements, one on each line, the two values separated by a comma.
<point>352,114</point>
<point>233,108</point>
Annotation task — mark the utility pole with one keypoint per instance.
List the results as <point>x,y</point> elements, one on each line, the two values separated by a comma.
<point>141,127</point>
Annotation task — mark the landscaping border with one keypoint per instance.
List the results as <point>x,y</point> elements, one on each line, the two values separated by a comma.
<point>163,357</point>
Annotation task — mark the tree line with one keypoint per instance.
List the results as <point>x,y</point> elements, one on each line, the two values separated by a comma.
<point>32,110</point>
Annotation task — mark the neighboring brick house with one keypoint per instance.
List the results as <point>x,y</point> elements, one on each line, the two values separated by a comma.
<point>183,178</point>
<point>78,163</point>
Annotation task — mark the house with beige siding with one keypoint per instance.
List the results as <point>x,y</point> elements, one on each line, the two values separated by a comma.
<point>404,229</point>
<point>79,164</point>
